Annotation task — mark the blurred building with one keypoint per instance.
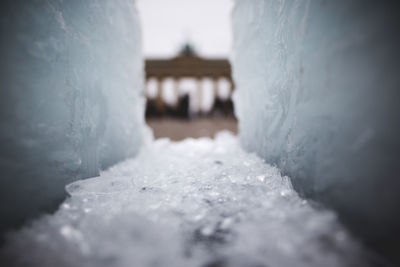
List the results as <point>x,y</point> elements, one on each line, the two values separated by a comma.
<point>188,86</point>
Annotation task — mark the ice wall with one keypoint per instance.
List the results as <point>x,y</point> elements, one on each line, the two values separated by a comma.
<point>71,85</point>
<point>318,95</point>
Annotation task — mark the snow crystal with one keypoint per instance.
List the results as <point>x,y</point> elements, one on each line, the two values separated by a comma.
<point>199,202</point>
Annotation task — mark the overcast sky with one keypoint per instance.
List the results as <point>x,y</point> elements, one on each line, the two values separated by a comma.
<point>168,24</point>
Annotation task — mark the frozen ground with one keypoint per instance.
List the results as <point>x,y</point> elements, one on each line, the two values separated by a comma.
<point>198,202</point>
<point>179,129</point>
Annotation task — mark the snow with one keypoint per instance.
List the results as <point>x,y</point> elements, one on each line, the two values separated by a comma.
<point>197,202</point>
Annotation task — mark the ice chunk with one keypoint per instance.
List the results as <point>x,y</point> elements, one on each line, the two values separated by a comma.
<point>71,81</point>
<point>316,93</point>
<point>190,203</point>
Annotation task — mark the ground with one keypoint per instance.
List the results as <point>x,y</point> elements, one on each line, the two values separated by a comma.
<point>179,129</point>
<point>198,202</point>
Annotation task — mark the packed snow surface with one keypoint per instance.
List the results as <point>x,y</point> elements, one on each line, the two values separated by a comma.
<point>199,202</point>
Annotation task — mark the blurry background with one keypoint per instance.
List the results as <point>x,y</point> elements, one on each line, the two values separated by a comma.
<point>166,25</point>
<point>188,74</point>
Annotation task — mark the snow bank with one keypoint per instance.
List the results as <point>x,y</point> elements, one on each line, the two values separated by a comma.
<point>71,79</point>
<point>317,94</point>
<point>199,202</point>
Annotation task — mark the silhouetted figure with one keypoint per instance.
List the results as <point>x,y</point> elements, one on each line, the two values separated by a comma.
<point>223,107</point>
<point>151,109</point>
<point>180,110</point>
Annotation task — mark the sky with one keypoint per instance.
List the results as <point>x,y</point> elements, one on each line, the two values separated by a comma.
<point>168,24</point>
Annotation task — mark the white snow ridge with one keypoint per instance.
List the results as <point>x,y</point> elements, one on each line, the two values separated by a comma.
<point>199,202</point>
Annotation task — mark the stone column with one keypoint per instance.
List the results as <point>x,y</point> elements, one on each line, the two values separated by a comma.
<point>199,95</point>
<point>231,88</point>
<point>216,90</point>
<point>176,91</point>
<point>159,97</point>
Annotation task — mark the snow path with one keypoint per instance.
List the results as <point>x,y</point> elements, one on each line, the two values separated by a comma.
<point>199,202</point>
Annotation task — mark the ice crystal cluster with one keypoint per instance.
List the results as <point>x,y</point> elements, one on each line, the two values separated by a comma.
<point>199,202</point>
